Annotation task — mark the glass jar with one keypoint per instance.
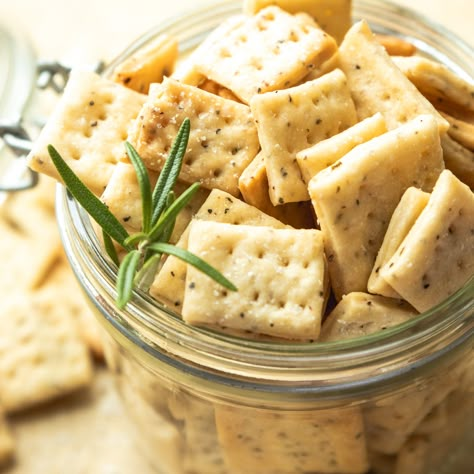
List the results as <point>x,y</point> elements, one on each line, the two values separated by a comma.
<point>399,401</point>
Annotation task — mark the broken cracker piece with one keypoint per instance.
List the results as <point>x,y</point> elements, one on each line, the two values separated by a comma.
<point>41,353</point>
<point>265,441</point>
<point>405,215</point>
<point>435,259</point>
<point>222,142</point>
<point>360,314</point>
<point>148,64</point>
<point>290,120</point>
<point>88,129</point>
<point>377,84</point>
<point>253,184</point>
<point>169,284</point>
<point>355,198</point>
<point>269,51</point>
<point>263,263</point>
<point>458,159</point>
<point>326,152</point>
<point>333,16</point>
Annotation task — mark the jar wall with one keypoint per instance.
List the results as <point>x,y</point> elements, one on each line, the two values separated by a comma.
<point>422,427</point>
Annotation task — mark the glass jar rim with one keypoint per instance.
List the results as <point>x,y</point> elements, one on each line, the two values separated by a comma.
<point>365,361</point>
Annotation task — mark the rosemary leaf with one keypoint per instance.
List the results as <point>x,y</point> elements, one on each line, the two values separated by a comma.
<point>146,274</point>
<point>126,277</point>
<point>170,172</point>
<point>144,184</point>
<point>172,211</point>
<point>93,205</point>
<point>110,248</point>
<point>135,239</point>
<point>193,260</point>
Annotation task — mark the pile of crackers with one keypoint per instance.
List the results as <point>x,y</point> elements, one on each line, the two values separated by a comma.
<point>323,159</point>
<point>48,336</point>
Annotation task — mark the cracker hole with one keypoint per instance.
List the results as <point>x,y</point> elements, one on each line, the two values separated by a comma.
<point>255,296</point>
<point>102,116</point>
<point>224,53</point>
<point>261,254</point>
<point>294,37</point>
<point>243,38</point>
<point>281,304</point>
<point>236,222</point>
<point>305,265</point>
<point>217,172</point>
<point>285,262</point>
<point>87,133</point>
<point>124,135</point>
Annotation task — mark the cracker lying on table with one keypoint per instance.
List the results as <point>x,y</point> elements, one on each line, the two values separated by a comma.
<point>88,128</point>
<point>458,159</point>
<point>333,16</point>
<point>7,444</point>
<point>355,198</point>
<point>436,258</point>
<point>377,84</point>
<point>406,213</point>
<point>326,152</point>
<point>253,184</point>
<point>41,354</point>
<point>445,89</point>
<point>263,263</point>
<point>148,64</point>
<point>222,142</point>
<point>269,51</point>
<point>169,284</point>
<point>290,120</point>
<point>263,441</point>
<point>122,197</point>
<point>360,314</point>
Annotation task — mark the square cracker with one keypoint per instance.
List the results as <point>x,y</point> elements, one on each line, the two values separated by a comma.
<point>41,354</point>
<point>253,184</point>
<point>458,159</point>
<point>122,197</point>
<point>88,128</point>
<point>291,120</point>
<point>445,89</point>
<point>148,64</point>
<point>326,152</point>
<point>436,258</point>
<point>169,284</point>
<point>263,263</point>
<point>265,441</point>
<point>411,204</point>
<point>333,16</point>
<point>360,314</point>
<point>269,51</point>
<point>223,138</point>
<point>377,84</point>
<point>355,198</point>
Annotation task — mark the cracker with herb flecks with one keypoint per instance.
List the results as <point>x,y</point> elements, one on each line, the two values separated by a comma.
<point>263,263</point>
<point>326,152</point>
<point>186,70</point>
<point>122,197</point>
<point>360,314</point>
<point>169,284</point>
<point>447,90</point>
<point>436,257</point>
<point>269,51</point>
<point>253,184</point>
<point>391,420</point>
<point>411,204</point>
<point>267,442</point>
<point>148,64</point>
<point>41,353</point>
<point>222,142</point>
<point>458,159</point>
<point>355,198</point>
<point>333,16</point>
<point>88,128</point>
<point>377,84</point>
<point>290,120</point>
<point>7,444</point>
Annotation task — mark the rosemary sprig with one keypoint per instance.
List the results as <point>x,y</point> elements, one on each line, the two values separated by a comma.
<point>160,208</point>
